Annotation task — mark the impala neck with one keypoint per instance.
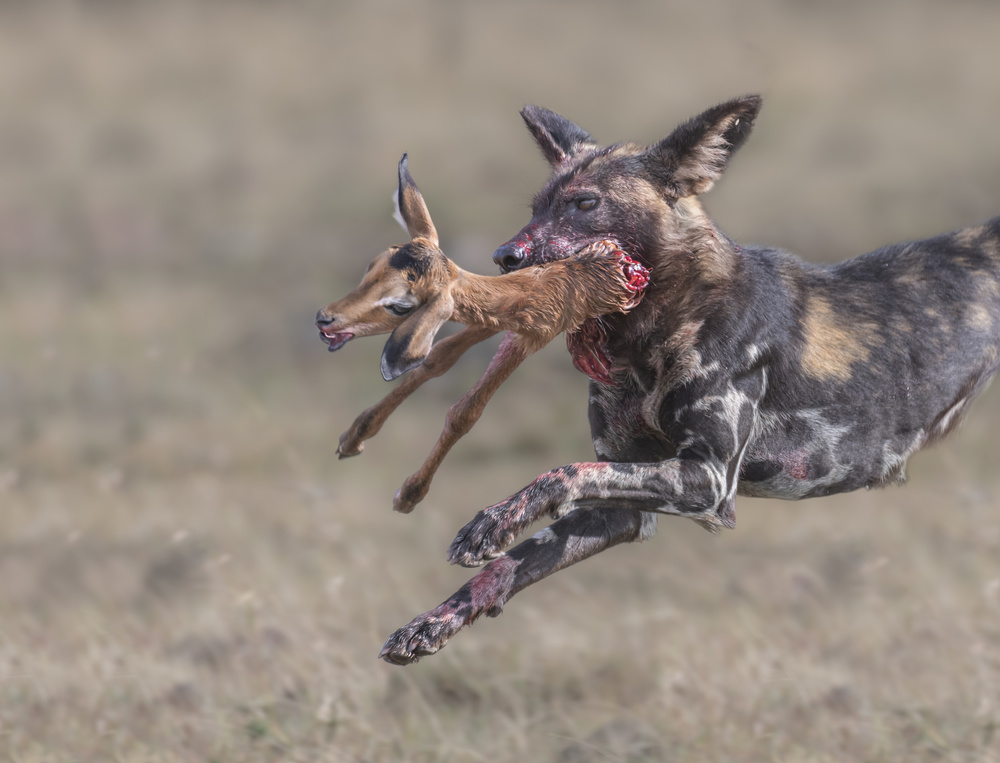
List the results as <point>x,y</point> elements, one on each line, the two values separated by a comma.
<point>486,300</point>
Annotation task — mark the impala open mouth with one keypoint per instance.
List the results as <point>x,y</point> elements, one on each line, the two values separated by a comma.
<point>335,341</point>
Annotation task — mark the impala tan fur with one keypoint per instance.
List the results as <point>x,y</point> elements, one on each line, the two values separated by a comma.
<point>412,290</point>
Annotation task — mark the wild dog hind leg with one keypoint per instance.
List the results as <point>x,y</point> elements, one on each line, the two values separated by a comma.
<point>571,539</point>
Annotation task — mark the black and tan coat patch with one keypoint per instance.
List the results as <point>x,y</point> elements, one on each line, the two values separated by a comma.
<point>744,371</point>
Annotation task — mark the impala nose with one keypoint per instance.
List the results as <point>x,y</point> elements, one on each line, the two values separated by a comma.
<point>509,257</point>
<point>321,319</point>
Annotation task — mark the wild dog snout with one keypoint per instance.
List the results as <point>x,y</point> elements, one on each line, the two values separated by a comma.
<point>540,242</point>
<point>511,255</point>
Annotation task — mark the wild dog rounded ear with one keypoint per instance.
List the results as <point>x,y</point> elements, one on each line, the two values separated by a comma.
<point>689,160</point>
<point>558,138</point>
<point>411,210</point>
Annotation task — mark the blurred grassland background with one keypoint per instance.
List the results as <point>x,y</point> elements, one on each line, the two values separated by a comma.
<point>187,573</point>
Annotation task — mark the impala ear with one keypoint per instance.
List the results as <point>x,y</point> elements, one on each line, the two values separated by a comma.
<point>689,160</point>
<point>558,138</point>
<point>411,210</point>
<point>409,344</point>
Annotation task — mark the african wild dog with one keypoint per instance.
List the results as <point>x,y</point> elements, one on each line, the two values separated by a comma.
<point>411,290</point>
<point>744,370</point>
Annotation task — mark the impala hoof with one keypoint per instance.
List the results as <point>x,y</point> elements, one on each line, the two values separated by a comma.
<point>408,496</point>
<point>348,446</point>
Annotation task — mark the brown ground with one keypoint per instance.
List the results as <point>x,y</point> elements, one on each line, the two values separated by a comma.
<point>188,574</point>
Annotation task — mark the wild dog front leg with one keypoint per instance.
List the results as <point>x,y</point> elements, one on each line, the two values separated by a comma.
<point>442,357</point>
<point>700,483</point>
<point>647,487</point>
<point>460,419</point>
<point>576,536</point>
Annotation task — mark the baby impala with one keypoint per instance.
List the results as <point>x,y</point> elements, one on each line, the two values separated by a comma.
<point>412,290</point>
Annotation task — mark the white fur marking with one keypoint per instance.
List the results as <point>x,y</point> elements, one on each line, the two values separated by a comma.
<point>545,535</point>
<point>950,414</point>
<point>648,527</point>
<point>397,215</point>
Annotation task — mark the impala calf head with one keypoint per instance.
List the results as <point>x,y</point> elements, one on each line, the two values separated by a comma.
<point>406,290</point>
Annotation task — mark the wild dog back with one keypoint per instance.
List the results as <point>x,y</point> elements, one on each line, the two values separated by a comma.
<point>911,331</point>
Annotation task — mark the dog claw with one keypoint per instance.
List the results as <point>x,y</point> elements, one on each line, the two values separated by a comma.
<point>482,539</point>
<point>423,636</point>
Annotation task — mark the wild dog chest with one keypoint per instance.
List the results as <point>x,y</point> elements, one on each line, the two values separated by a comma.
<point>623,424</point>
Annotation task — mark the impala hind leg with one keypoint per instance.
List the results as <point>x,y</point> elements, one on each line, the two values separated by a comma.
<point>441,358</point>
<point>571,539</point>
<point>460,419</point>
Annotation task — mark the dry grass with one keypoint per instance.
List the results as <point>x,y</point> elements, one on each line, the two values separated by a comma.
<point>189,574</point>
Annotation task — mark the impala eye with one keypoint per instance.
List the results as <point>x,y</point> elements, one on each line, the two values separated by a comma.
<point>586,204</point>
<point>399,309</point>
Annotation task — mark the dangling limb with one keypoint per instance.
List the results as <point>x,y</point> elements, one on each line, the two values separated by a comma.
<point>461,418</point>
<point>442,357</point>
<point>571,539</point>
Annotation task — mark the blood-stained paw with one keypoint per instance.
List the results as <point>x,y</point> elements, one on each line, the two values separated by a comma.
<point>484,594</point>
<point>490,532</point>
<point>493,529</point>
<point>423,636</point>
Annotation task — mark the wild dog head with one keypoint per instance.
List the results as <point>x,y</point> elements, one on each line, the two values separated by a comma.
<point>638,195</point>
<point>406,291</point>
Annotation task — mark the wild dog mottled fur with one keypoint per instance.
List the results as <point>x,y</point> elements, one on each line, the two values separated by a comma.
<point>412,290</point>
<point>744,371</point>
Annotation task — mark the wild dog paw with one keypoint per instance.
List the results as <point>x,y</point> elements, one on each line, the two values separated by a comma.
<point>423,636</point>
<point>414,490</point>
<point>482,539</point>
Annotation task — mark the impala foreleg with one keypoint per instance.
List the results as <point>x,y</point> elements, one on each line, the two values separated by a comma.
<point>460,419</point>
<point>441,358</point>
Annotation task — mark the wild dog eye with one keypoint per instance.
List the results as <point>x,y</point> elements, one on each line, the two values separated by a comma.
<point>586,203</point>
<point>398,309</point>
